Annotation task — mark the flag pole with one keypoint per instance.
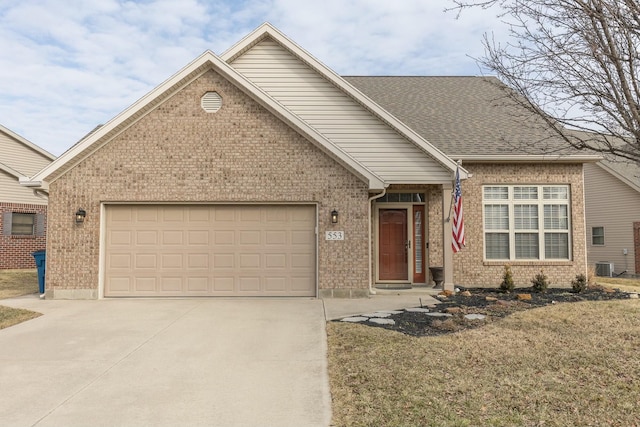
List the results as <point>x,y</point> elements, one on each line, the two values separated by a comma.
<point>453,190</point>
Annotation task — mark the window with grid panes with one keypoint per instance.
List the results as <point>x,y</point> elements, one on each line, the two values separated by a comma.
<point>526,222</point>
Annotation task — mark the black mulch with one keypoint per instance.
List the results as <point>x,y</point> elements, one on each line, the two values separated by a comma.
<point>490,302</point>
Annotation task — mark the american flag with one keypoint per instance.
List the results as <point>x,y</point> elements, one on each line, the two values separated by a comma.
<point>457,242</point>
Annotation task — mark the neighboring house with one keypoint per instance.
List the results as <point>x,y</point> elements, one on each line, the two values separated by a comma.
<point>261,172</point>
<point>612,198</point>
<point>22,212</point>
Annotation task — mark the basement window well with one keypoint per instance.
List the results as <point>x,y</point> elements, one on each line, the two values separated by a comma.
<point>211,102</point>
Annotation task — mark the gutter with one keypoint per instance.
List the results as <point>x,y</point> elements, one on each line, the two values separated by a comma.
<point>371,199</point>
<point>532,158</point>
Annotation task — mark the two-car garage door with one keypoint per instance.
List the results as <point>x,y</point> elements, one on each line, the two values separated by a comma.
<point>210,250</point>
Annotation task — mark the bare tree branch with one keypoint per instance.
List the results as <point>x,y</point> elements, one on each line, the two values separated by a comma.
<point>575,65</point>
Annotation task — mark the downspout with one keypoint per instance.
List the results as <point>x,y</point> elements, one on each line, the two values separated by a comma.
<point>371,199</point>
<point>38,192</point>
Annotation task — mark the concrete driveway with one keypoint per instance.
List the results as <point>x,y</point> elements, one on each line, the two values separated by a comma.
<point>178,362</point>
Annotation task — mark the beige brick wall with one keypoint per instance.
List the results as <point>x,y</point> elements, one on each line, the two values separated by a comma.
<point>469,267</point>
<point>179,153</point>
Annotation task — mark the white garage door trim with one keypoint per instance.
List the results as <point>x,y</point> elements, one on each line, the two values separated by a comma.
<point>266,210</point>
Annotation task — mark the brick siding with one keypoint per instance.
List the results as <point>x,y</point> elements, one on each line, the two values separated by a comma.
<point>16,251</point>
<point>180,153</point>
<point>470,269</point>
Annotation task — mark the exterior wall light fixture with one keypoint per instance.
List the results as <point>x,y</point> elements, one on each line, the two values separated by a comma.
<point>334,216</point>
<point>80,214</point>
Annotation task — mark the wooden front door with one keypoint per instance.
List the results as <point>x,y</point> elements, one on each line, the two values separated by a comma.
<point>393,245</point>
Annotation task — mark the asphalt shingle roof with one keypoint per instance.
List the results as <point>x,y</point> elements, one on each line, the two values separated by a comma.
<point>465,116</point>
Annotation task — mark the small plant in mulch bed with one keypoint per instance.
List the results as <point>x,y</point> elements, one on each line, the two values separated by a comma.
<point>507,284</point>
<point>540,282</point>
<point>579,284</point>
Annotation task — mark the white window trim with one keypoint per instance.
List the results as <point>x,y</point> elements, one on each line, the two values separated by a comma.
<point>540,202</point>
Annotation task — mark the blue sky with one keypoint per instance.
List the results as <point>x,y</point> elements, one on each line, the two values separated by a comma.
<point>68,65</point>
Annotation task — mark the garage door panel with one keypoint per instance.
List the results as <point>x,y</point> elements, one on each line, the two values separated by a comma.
<point>172,237</point>
<point>171,284</point>
<point>172,261</point>
<point>221,261</point>
<point>146,237</point>
<point>146,261</point>
<point>249,284</point>
<point>276,284</point>
<point>120,237</point>
<point>275,261</point>
<point>173,215</point>
<point>200,261</point>
<point>198,284</point>
<point>146,285</point>
<point>147,214</point>
<point>224,237</point>
<point>119,261</point>
<point>198,237</point>
<point>250,237</point>
<point>215,250</point>
<point>223,285</point>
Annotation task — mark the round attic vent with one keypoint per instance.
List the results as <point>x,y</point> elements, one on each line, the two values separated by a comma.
<point>211,102</point>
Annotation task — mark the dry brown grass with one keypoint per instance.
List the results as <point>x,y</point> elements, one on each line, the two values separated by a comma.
<point>563,365</point>
<point>627,285</point>
<point>15,283</point>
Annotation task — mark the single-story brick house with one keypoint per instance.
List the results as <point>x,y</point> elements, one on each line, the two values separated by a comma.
<point>261,172</point>
<point>23,212</point>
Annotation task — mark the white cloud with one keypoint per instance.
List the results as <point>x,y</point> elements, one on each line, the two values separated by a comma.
<point>68,66</point>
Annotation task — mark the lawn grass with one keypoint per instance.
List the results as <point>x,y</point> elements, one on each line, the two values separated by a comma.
<point>627,285</point>
<point>15,283</point>
<point>567,364</point>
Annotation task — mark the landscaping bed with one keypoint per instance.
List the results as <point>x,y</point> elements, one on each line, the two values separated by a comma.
<point>484,305</point>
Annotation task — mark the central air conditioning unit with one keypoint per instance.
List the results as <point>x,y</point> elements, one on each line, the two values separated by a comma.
<point>604,269</point>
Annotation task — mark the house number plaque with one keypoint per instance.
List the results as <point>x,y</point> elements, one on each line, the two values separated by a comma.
<point>334,235</point>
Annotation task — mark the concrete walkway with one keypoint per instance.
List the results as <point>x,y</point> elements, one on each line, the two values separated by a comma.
<point>191,362</point>
<point>384,299</point>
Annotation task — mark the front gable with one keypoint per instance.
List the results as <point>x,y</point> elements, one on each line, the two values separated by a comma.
<point>310,98</point>
<point>162,96</point>
<point>180,152</point>
<point>337,110</point>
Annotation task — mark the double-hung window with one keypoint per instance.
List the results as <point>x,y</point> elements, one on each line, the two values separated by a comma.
<point>526,222</point>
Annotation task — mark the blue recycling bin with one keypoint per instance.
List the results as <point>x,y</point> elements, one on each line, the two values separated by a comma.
<point>41,262</point>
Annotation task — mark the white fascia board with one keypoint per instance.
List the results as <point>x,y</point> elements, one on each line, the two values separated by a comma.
<point>10,170</point>
<point>542,158</point>
<point>245,85</point>
<point>267,29</point>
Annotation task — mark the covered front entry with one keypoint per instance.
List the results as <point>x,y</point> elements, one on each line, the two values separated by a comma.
<point>401,243</point>
<point>209,250</point>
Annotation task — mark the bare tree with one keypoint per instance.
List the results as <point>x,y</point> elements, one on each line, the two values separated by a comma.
<point>575,64</point>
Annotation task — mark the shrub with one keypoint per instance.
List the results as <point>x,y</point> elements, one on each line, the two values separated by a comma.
<point>540,282</point>
<point>579,284</point>
<point>507,284</point>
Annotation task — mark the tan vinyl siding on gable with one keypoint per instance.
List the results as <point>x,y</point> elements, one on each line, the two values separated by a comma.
<point>12,192</point>
<point>611,204</point>
<point>345,122</point>
<point>20,157</point>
